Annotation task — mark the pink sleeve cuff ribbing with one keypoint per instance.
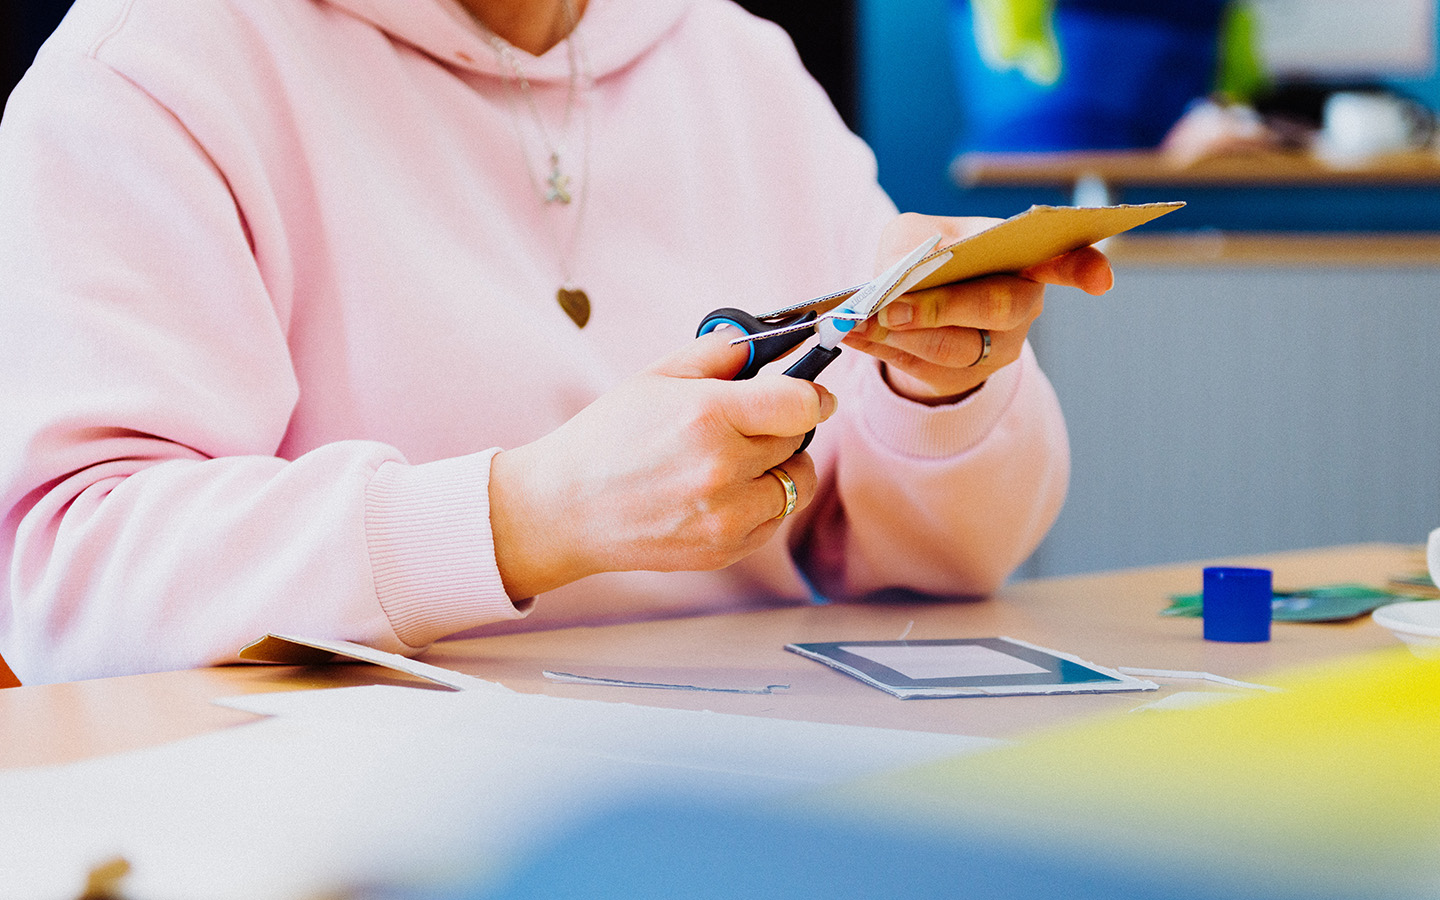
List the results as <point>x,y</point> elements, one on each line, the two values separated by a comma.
<point>936,432</point>
<point>431,549</point>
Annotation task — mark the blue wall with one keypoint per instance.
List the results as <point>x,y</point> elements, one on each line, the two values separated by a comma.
<point>910,112</point>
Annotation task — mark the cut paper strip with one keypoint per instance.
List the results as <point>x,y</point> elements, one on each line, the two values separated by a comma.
<point>1194,676</point>
<point>568,678</point>
<point>302,651</point>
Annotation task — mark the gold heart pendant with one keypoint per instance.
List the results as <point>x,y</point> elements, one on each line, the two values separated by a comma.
<point>576,305</point>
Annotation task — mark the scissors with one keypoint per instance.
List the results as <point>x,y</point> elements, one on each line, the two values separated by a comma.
<point>831,317</point>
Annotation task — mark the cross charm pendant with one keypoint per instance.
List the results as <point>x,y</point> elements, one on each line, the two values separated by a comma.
<point>559,191</point>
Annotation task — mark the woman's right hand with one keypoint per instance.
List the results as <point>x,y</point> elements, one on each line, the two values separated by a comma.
<point>668,472</point>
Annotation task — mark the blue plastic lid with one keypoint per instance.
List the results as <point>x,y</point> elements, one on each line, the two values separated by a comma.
<point>1237,604</point>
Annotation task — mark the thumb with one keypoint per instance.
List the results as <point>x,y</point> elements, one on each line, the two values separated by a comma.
<point>708,356</point>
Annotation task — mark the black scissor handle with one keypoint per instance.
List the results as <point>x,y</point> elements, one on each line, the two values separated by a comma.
<point>764,350</point>
<point>809,368</point>
<point>767,350</point>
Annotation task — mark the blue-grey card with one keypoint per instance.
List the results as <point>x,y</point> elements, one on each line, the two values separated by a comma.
<point>967,667</point>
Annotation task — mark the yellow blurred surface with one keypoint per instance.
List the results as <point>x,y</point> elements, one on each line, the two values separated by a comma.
<point>1335,780</point>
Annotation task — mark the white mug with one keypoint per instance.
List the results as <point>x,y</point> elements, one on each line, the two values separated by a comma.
<point>1362,124</point>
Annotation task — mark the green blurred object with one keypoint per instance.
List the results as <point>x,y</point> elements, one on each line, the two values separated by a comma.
<point>1018,34</point>
<point>1240,74</point>
<point>1327,603</point>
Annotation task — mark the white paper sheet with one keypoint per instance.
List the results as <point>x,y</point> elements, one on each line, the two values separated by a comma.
<point>925,661</point>
<point>392,784</point>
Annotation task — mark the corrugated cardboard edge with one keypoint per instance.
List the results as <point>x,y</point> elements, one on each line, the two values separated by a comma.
<point>1038,234</point>
<point>1011,245</point>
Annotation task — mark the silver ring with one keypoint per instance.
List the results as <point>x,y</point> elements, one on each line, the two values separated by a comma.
<point>984,348</point>
<point>791,495</point>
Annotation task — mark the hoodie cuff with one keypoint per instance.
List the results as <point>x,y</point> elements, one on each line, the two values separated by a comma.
<point>432,553</point>
<point>913,429</point>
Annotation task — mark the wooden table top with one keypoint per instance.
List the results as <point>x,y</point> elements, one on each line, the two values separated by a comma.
<point>1111,619</point>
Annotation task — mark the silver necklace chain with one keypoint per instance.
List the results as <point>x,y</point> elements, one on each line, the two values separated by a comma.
<point>557,188</point>
<point>558,184</point>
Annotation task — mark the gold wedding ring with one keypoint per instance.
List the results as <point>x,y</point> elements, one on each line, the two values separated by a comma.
<point>791,495</point>
<point>984,347</point>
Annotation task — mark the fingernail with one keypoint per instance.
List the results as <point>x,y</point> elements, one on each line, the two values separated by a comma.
<point>828,403</point>
<point>896,314</point>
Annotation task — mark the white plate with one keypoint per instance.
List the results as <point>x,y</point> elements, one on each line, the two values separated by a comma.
<point>1416,622</point>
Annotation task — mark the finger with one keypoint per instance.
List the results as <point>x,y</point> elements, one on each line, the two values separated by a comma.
<point>711,355</point>
<point>775,404</point>
<point>997,303</point>
<point>1087,269</point>
<point>935,353</point>
<point>769,497</point>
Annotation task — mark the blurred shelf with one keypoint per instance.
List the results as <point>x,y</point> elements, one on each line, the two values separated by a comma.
<point>1217,248</point>
<point>1103,177</point>
<point>1147,167</point>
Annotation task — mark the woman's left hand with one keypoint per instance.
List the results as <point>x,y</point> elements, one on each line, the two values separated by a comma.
<point>931,341</point>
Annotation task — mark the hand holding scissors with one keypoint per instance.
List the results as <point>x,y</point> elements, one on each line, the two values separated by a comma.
<point>831,317</point>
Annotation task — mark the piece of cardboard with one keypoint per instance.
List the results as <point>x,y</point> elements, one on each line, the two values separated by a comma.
<point>1035,235</point>
<point>1029,238</point>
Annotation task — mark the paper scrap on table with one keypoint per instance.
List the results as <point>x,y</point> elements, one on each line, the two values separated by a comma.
<point>967,667</point>
<point>568,678</point>
<point>303,651</point>
<point>1195,676</point>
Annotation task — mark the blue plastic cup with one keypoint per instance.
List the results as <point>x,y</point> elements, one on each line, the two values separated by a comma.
<point>1237,604</point>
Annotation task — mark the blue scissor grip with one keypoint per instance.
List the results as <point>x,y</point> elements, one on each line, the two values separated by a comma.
<point>765,350</point>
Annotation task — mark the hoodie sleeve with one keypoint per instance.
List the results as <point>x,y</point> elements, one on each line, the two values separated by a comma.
<point>943,501</point>
<point>149,520</point>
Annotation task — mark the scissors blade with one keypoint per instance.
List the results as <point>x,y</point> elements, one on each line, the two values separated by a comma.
<point>773,332</point>
<point>864,300</point>
<point>880,290</point>
<point>821,304</point>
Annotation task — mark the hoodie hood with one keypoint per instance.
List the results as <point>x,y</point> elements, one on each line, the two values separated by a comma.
<point>614,33</point>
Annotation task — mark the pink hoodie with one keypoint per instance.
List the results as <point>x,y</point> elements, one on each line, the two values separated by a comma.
<point>275,282</point>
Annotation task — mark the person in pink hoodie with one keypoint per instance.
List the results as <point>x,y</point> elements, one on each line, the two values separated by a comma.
<point>374,320</point>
